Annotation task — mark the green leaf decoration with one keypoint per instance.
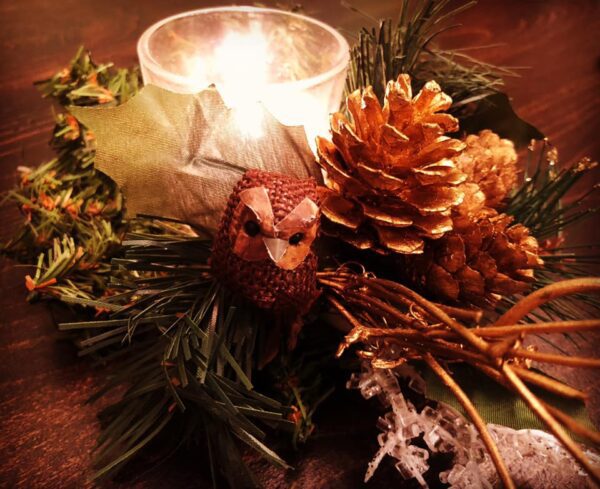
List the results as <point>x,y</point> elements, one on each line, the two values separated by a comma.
<point>180,155</point>
<point>496,112</point>
<point>498,405</point>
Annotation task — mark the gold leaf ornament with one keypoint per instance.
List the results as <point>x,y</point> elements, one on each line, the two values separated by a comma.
<point>180,155</point>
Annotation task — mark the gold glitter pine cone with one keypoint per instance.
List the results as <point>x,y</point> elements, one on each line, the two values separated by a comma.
<point>490,162</point>
<point>390,170</point>
<point>479,262</point>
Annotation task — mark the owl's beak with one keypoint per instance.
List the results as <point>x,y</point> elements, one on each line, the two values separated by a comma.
<point>276,247</point>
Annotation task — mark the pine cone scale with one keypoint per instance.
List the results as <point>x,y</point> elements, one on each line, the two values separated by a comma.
<point>342,211</point>
<point>434,225</point>
<point>335,171</point>
<point>379,178</point>
<point>440,149</point>
<point>439,172</point>
<point>399,240</point>
<point>397,217</point>
<point>433,198</point>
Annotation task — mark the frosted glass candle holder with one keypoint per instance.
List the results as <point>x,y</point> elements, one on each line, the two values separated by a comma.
<point>293,64</point>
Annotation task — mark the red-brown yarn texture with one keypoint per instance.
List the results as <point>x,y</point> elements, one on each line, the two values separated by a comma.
<point>263,282</point>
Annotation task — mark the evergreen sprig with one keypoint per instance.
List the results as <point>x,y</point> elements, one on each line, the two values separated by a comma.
<point>187,351</point>
<point>65,200</point>
<point>304,378</point>
<point>538,204</point>
<point>85,83</point>
<point>405,46</point>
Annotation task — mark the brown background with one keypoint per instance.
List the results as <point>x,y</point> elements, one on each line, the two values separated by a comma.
<point>46,433</point>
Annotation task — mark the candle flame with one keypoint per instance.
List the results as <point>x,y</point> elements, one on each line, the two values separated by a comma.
<point>249,119</point>
<point>242,61</point>
<point>239,67</point>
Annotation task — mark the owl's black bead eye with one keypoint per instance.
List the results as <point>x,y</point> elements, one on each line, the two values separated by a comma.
<point>251,228</point>
<point>296,238</point>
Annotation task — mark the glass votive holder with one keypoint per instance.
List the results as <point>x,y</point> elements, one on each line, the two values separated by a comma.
<point>295,65</point>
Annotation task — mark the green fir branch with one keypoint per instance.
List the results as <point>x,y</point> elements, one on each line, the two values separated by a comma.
<point>188,355</point>
<point>538,204</point>
<point>85,83</point>
<point>304,378</point>
<point>406,46</point>
<point>66,200</point>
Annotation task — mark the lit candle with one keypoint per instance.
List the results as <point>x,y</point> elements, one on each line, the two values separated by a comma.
<point>294,65</point>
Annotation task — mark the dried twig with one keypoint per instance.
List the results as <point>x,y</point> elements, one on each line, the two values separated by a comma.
<point>396,324</point>
<point>546,294</point>
<point>549,327</point>
<point>557,359</point>
<point>555,428</point>
<point>472,412</point>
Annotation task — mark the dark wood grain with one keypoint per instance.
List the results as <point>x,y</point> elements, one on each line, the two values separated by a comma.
<point>46,431</point>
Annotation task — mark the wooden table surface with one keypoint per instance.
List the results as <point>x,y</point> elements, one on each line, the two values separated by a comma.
<point>46,432</point>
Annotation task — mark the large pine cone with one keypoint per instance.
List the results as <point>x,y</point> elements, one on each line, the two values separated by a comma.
<point>478,262</point>
<point>390,169</point>
<point>491,163</point>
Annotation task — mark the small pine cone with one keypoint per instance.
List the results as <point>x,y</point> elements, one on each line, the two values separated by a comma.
<point>490,162</point>
<point>478,262</point>
<point>390,170</point>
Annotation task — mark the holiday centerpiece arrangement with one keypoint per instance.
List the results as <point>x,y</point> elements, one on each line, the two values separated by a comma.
<point>225,240</point>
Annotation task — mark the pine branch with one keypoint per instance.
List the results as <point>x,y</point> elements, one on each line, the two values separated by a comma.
<point>84,83</point>
<point>65,200</point>
<point>185,350</point>
<point>406,46</point>
<point>538,205</point>
<point>303,379</point>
